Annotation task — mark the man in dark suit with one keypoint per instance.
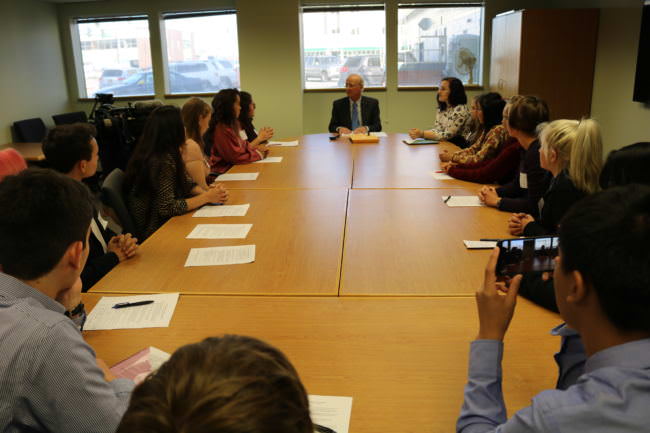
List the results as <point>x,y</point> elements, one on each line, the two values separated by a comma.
<point>356,113</point>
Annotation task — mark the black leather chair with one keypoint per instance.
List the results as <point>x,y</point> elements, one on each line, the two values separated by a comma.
<point>113,197</point>
<point>30,130</point>
<point>67,118</point>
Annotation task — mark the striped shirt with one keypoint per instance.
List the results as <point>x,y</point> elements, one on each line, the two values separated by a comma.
<point>49,379</point>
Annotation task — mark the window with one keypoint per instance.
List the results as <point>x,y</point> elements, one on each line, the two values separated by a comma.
<point>439,41</point>
<point>338,41</point>
<point>202,51</point>
<point>115,56</point>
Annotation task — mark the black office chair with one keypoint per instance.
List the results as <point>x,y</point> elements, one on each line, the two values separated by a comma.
<point>30,130</point>
<point>113,197</point>
<point>68,118</point>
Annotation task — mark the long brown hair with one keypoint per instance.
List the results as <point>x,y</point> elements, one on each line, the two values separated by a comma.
<point>229,384</point>
<point>192,112</point>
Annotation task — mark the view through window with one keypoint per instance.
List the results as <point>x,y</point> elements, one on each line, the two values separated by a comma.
<point>436,42</point>
<point>340,42</point>
<point>202,52</point>
<point>116,56</point>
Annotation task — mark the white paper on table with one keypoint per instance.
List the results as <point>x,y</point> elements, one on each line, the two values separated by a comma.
<point>222,210</point>
<point>269,159</point>
<point>237,176</point>
<point>215,256</point>
<point>331,411</point>
<point>220,231</point>
<point>283,143</point>
<point>345,135</point>
<point>462,200</point>
<point>379,134</point>
<point>156,315</point>
<point>479,245</point>
<point>441,176</point>
<point>137,367</point>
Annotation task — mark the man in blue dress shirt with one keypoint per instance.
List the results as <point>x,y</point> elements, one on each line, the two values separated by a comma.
<point>50,380</point>
<point>602,287</point>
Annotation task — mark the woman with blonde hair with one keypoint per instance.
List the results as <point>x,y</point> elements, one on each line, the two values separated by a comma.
<point>196,115</point>
<point>573,152</point>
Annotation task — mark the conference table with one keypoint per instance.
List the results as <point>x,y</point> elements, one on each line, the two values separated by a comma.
<point>360,276</point>
<point>32,152</point>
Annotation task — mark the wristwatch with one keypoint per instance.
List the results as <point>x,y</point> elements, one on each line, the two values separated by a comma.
<point>78,315</point>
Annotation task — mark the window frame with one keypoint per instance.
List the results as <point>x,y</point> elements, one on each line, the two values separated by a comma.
<point>315,8</point>
<point>171,15</point>
<point>444,5</point>
<point>77,50</point>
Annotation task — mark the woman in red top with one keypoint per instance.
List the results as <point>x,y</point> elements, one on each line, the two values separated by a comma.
<point>227,147</point>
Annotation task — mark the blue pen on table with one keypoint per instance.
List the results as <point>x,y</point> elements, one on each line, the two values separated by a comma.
<point>132,304</point>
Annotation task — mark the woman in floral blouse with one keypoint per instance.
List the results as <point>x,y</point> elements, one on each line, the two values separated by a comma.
<point>491,136</point>
<point>453,118</point>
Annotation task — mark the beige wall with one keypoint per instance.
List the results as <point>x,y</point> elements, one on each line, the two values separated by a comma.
<point>32,79</point>
<point>623,121</point>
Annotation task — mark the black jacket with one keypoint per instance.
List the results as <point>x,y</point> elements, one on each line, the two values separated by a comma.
<point>514,198</point>
<point>561,195</point>
<point>98,263</point>
<point>369,112</point>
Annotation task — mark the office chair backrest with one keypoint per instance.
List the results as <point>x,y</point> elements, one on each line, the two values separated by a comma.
<point>11,162</point>
<point>30,130</point>
<point>113,197</point>
<point>68,118</point>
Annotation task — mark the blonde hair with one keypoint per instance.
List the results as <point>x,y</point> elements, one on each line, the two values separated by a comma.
<point>579,148</point>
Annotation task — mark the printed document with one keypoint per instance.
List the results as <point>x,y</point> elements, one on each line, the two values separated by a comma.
<point>379,134</point>
<point>462,200</point>
<point>479,245</point>
<point>220,231</point>
<point>283,143</point>
<point>331,411</point>
<point>137,367</point>
<point>441,176</point>
<point>155,315</point>
<point>222,210</point>
<point>269,159</point>
<point>237,176</point>
<point>221,256</point>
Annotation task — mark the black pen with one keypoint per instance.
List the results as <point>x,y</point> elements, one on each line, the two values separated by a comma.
<point>322,429</point>
<point>132,304</point>
<point>447,199</point>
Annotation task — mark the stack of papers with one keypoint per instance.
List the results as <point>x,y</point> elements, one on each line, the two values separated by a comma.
<point>269,159</point>
<point>155,315</point>
<point>222,211</point>
<point>283,143</point>
<point>479,245</point>
<point>237,176</point>
<point>215,256</point>
<point>220,231</point>
<point>379,134</point>
<point>462,200</point>
<point>140,365</point>
<point>441,176</point>
<point>331,412</point>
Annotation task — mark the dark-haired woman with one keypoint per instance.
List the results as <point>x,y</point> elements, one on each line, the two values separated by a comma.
<point>491,135</point>
<point>228,148</point>
<point>453,118</point>
<point>157,183</point>
<point>246,129</point>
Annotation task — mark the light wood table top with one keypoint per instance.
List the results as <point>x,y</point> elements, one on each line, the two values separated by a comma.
<point>32,152</point>
<point>404,361</point>
<point>393,164</point>
<point>408,242</point>
<point>298,236</point>
<point>315,163</point>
